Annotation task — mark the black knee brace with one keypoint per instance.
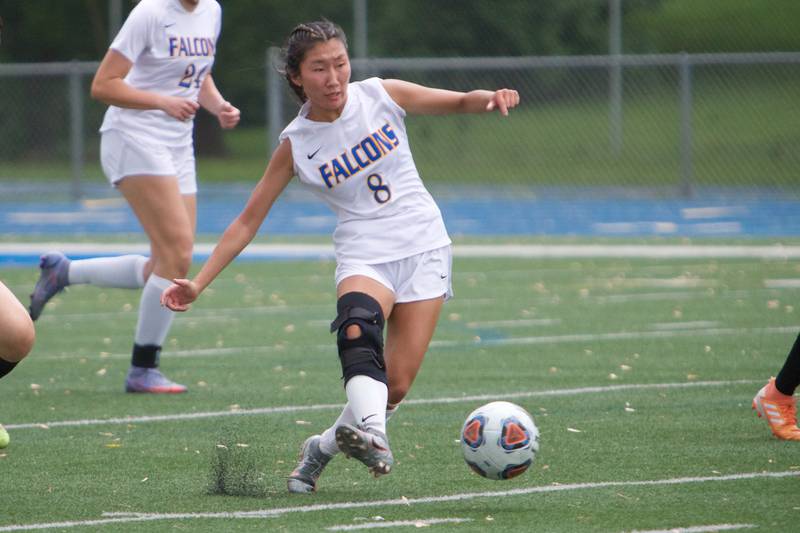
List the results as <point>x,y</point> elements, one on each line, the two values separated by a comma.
<point>362,356</point>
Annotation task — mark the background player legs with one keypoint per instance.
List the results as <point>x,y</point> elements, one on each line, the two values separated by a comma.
<point>169,220</point>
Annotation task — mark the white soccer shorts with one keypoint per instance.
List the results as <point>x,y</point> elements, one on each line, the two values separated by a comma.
<point>122,155</point>
<point>419,277</point>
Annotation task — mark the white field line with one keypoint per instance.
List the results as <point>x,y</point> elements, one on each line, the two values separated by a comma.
<point>685,325</point>
<point>195,352</point>
<point>792,283</point>
<point>471,343</point>
<point>202,313</point>
<point>419,401</point>
<point>676,295</point>
<point>117,518</point>
<point>667,283</point>
<point>694,213</point>
<point>535,251</point>
<point>422,522</point>
<point>623,335</point>
<point>519,323</point>
<point>195,314</point>
<point>698,529</point>
<point>650,296</point>
<point>595,273</point>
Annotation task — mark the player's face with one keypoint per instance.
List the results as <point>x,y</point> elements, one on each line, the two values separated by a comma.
<point>324,75</point>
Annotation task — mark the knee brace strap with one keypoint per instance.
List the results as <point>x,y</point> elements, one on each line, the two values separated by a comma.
<point>364,354</point>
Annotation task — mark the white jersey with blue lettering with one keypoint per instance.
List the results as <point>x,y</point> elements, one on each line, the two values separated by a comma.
<point>172,50</point>
<point>361,166</point>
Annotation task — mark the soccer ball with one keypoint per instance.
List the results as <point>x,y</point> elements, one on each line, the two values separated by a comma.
<point>499,440</point>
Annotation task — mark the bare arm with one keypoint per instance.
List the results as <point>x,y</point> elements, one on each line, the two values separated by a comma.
<point>239,233</point>
<point>421,100</point>
<point>213,102</point>
<point>109,87</point>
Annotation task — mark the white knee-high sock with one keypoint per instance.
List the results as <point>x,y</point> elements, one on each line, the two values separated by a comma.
<point>122,272</point>
<point>367,398</point>
<point>327,443</point>
<point>154,319</point>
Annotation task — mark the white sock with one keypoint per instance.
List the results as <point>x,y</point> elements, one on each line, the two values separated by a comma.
<point>154,319</point>
<point>327,444</point>
<point>367,398</point>
<point>122,272</point>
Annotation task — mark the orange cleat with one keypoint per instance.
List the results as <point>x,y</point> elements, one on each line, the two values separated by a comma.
<point>780,411</point>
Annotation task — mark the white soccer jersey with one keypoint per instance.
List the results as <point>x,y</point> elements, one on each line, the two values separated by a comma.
<point>172,51</point>
<point>361,166</point>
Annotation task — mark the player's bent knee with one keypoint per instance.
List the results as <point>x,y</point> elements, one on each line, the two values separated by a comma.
<point>398,392</point>
<point>183,259</point>
<point>353,331</point>
<point>359,326</point>
<point>174,249</point>
<point>18,342</point>
<point>25,343</point>
<point>175,262</point>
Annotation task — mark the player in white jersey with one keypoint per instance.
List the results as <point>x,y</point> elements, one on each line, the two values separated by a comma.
<point>16,339</point>
<point>154,77</point>
<point>349,145</point>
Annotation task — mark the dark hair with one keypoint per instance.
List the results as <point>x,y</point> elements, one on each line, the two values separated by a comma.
<point>302,38</point>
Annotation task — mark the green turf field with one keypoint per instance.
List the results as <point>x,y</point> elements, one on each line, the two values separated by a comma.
<point>639,374</point>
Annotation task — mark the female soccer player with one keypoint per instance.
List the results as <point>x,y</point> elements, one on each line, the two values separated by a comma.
<point>348,144</point>
<point>154,77</point>
<point>775,401</point>
<point>16,338</point>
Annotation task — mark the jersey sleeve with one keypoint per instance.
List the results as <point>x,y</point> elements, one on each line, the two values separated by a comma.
<point>135,35</point>
<point>218,15</point>
<point>376,85</point>
<point>285,136</point>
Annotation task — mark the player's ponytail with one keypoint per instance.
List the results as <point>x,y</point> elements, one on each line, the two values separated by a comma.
<point>301,39</point>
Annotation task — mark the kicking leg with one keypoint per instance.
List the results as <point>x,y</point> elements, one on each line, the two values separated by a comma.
<point>363,304</point>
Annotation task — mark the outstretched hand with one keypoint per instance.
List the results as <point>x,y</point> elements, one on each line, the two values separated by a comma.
<point>503,100</point>
<point>179,295</point>
<point>228,116</point>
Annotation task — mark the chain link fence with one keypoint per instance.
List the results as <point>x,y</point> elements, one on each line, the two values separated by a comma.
<point>676,125</point>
